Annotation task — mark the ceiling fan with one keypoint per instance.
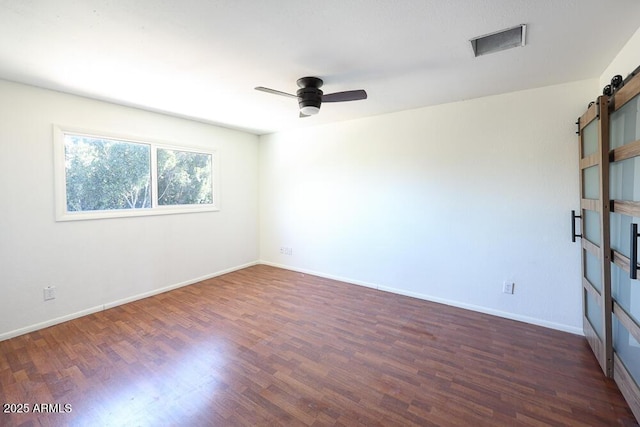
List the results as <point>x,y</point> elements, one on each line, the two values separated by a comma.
<point>310,97</point>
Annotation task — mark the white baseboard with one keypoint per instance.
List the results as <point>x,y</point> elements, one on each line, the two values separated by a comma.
<point>479,309</point>
<point>51,322</point>
<point>498,313</point>
<point>177,285</point>
<point>106,306</point>
<point>485,310</point>
<point>316,273</point>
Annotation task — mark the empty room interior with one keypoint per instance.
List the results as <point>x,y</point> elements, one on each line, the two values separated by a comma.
<point>330,213</point>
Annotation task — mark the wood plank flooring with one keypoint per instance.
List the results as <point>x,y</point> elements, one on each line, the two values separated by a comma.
<point>265,346</point>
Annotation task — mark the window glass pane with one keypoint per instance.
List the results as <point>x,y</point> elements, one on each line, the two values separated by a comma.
<point>625,124</point>
<point>627,348</point>
<point>593,313</point>
<point>591,183</point>
<point>590,139</point>
<point>620,230</point>
<point>623,176</point>
<point>184,178</point>
<point>106,174</point>
<point>592,226</point>
<point>625,291</point>
<point>592,270</point>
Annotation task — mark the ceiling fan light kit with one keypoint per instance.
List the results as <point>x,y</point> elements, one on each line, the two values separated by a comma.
<point>309,110</point>
<point>310,97</point>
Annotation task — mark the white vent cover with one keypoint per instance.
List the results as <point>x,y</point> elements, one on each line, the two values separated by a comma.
<point>500,40</point>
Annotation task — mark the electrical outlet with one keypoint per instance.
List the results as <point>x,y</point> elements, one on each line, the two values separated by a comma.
<point>286,251</point>
<point>49,293</point>
<point>508,287</point>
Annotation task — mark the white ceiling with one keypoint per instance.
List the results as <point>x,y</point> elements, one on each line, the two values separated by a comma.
<point>202,58</point>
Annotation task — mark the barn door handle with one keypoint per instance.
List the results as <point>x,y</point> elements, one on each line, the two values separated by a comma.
<point>573,226</point>
<point>633,259</point>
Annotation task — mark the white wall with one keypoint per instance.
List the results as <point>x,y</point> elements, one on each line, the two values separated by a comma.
<point>443,203</point>
<point>102,262</point>
<point>627,60</point>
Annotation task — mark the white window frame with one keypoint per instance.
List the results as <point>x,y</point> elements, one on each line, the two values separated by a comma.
<point>60,183</point>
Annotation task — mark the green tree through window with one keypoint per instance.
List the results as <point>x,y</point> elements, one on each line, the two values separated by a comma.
<point>97,177</point>
<point>184,178</point>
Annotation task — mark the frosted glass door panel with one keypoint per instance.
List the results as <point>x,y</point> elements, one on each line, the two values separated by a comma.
<point>620,230</point>
<point>620,226</point>
<point>593,270</point>
<point>594,313</point>
<point>627,348</point>
<point>591,183</point>
<point>592,226</point>
<point>590,139</point>
<point>625,292</point>
<point>623,177</point>
<point>624,124</point>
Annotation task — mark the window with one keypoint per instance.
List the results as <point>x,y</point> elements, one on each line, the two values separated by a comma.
<point>101,177</point>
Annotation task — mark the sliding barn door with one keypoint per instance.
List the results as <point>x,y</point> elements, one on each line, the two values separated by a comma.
<point>608,224</point>
<point>625,217</point>
<point>594,226</point>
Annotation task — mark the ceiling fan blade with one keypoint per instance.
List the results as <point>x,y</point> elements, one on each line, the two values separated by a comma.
<point>350,95</point>
<point>275,92</point>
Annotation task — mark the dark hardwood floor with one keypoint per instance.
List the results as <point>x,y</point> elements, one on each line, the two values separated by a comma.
<point>265,346</point>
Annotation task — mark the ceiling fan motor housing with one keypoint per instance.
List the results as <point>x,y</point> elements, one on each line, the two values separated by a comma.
<point>309,94</point>
<point>309,97</point>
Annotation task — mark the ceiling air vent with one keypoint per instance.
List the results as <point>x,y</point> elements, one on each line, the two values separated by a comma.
<point>500,40</point>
